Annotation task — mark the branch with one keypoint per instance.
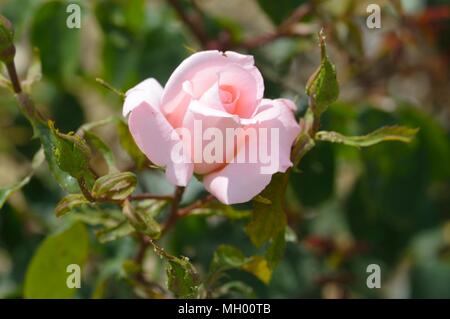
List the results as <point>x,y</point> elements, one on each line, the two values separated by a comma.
<point>283,30</point>
<point>151,196</point>
<point>199,203</point>
<point>173,216</point>
<point>191,22</point>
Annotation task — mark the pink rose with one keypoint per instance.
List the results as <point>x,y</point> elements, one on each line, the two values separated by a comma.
<point>219,92</point>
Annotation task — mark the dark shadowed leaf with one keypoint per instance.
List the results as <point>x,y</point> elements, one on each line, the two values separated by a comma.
<point>60,47</point>
<point>269,219</point>
<point>279,10</point>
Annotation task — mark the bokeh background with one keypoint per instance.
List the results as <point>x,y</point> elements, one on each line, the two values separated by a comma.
<point>347,208</point>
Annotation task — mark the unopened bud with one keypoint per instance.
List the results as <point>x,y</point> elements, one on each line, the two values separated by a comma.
<point>7,49</point>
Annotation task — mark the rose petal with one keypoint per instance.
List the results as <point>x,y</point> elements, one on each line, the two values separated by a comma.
<point>287,125</point>
<point>156,138</point>
<point>237,182</point>
<point>240,182</point>
<point>201,69</point>
<point>200,118</point>
<point>149,91</point>
<point>243,82</point>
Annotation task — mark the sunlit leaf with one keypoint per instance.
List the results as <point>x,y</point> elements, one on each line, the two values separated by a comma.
<point>47,274</point>
<point>114,186</point>
<point>228,257</point>
<point>259,267</point>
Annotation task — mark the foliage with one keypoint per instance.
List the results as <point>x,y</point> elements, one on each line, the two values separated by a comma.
<point>76,189</point>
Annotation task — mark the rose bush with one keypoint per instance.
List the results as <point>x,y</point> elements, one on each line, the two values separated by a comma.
<point>222,91</point>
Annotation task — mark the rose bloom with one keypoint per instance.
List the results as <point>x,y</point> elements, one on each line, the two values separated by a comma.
<point>223,90</point>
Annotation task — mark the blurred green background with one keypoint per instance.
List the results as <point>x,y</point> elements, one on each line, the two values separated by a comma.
<point>347,208</point>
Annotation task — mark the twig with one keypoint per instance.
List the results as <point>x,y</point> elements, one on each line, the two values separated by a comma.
<point>191,23</point>
<point>199,203</point>
<point>144,196</point>
<point>173,216</point>
<point>282,31</point>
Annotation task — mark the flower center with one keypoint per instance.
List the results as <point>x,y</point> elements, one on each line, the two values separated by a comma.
<point>228,96</point>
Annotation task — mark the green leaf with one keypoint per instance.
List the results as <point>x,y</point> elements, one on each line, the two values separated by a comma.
<point>269,219</point>
<point>65,180</point>
<point>259,267</point>
<point>386,133</point>
<point>71,153</point>
<point>60,47</point>
<point>110,234</point>
<point>129,145</point>
<point>94,216</point>
<point>142,219</point>
<point>103,149</point>
<point>114,186</point>
<point>322,87</point>
<point>182,278</point>
<point>228,257</point>
<point>5,192</point>
<point>279,10</point>
<point>276,249</point>
<point>47,274</point>
<point>68,203</point>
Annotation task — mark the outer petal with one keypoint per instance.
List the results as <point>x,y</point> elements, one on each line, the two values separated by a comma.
<point>201,70</point>
<point>286,124</point>
<point>149,91</point>
<point>156,138</point>
<point>240,182</point>
<point>237,182</point>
